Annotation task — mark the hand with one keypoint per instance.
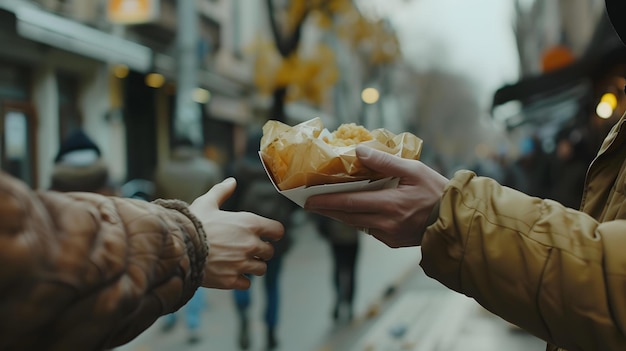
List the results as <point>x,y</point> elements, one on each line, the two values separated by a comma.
<point>396,217</point>
<point>235,245</point>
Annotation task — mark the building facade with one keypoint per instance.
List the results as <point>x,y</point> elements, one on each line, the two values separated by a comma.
<point>110,67</point>
<point>131,72</point>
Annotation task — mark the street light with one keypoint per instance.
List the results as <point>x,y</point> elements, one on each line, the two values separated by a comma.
<point>120,71</point>
<point>370,95</point>
<point>201,96</point>
<point>155,80</point>
<point>607,106</point>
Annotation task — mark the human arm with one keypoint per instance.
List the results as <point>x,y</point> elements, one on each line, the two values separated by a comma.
<point>85,271</point>
<point>553,271</point>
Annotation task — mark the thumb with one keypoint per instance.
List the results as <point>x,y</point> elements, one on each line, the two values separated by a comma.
<point>220,192</point>
<point>382,162</point>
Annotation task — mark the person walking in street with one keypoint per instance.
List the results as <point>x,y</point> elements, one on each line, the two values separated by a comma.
<point>568,168</point>
<point>344,244</point>
<point>257,194</point>
<point>186,176</point>
<point>79,166</point>
<point>530,171</point>
<point>556,272</point>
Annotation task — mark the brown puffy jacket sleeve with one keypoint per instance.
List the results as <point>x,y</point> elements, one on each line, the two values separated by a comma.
<point>556,272</point>
<point>82,271</point>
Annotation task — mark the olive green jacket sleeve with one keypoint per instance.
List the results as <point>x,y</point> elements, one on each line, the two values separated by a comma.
<point>553,271</point>
<point>82,271</point>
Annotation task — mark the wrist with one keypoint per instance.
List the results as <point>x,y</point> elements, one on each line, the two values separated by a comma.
<point>199,240</point>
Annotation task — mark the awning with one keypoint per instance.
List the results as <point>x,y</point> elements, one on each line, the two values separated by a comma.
<point>555,108</point>
<point>66,34</point>
<point>557,95</point>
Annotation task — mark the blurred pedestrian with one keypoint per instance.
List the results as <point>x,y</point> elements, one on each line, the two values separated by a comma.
<point>490,166</point>
<point>568,168</point>
<point>187,175</point>
<point>533,164</point>
<point>79,166</point>
<point>257,194</point>
<point>344,243</point>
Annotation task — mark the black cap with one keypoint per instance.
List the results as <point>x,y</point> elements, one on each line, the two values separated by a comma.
<point>77,140</point>
<point>616,9</point>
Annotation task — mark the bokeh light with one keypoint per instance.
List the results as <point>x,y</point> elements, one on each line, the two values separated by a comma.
<point>370,95</point>
<point>155,80</point>
<point>607,106</point>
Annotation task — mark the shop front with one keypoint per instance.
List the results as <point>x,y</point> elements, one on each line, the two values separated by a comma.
<point>54,78</point>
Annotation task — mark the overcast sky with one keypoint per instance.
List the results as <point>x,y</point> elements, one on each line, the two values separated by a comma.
<point>472,37</point>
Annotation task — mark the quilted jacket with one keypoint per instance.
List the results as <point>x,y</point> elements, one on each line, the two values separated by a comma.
<point>82,271</point>
<point>554,271</point>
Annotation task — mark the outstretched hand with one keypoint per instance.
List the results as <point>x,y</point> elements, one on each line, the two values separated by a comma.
<point>235,244</point>
<point>395,216</point>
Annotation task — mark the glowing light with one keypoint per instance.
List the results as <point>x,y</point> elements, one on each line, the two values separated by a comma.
<point>201,96</point>
<point>155,80</point>
<point>370,95</point>
<point>607,106</point>
<point>604,110</point>
<point>610,99</point>
<point>120,71</point>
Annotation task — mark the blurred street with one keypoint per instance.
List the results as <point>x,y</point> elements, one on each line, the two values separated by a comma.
<point>162,99</point>
<point>397,308</point>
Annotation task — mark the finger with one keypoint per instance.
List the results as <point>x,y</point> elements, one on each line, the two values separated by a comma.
<point>265,251</point>
<point>242,283</point>
<point>220,192</point>
<point>270,229</point>
<point>356,202</point>
<point>382,162</point>
<point>256,267</point>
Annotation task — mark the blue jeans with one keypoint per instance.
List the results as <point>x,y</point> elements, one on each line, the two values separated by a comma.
<point>272,294</point>
<point>192,310</point>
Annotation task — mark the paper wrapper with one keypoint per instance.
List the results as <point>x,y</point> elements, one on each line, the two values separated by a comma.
<point>298,158</point>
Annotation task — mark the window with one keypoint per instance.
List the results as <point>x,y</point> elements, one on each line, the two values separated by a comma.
<point>209,40</point>
<point>17,148</point>
<point>17,124</point>
<point>69,114</point>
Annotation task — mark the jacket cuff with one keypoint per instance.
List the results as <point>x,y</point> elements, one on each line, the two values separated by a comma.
<point>197,262</point>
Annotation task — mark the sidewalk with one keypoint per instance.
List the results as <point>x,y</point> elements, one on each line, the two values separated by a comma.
<point>397,307</point>
<point>307,299</point>
<point>423,315</point>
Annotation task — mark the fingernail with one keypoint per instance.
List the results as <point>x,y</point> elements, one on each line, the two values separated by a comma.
<point>228,180</point>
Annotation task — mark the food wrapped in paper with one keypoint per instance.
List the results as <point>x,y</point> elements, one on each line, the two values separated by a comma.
<point>309,155</point>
